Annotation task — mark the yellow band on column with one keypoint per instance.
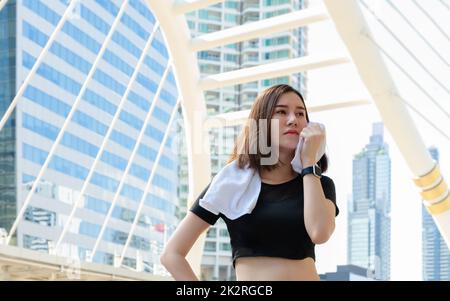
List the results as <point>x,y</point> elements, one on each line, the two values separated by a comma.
<point>429,178</point>
<point>439,207</point>
<point>434,192</point>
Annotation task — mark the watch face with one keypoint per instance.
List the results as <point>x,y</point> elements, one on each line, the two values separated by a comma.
<point>317,170</point>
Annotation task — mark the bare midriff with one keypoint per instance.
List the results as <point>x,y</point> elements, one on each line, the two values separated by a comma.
<point>263,268</point>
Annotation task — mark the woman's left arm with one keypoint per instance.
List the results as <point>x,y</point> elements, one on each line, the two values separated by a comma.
<point>319,212</point>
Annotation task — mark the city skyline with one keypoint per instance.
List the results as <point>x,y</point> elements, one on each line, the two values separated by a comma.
<point>348,129</point>
<point>369,225</point>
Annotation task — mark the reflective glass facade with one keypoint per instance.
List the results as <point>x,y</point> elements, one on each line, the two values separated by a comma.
<point>369,221</point>
<point>47,102</point>
<point>8,183</point>
<point>435,253</point>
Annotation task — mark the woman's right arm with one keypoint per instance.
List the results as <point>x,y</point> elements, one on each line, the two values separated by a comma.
<point>173,257</point>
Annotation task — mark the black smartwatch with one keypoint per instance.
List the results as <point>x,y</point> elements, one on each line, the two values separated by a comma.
<point>315,170</point>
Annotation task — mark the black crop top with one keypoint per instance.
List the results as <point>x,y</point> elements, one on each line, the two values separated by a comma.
<point>276,225</point>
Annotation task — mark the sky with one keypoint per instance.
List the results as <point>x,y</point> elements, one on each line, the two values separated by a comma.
<point>348,129</point>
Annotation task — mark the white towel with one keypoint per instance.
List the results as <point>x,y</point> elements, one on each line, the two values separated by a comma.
<point>297,162</point>
<point>234,191</point>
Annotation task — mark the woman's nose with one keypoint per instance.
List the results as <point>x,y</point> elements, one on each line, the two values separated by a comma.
<point>292,119</point>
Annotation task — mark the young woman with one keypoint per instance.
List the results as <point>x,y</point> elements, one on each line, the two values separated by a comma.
<point>293,211</point>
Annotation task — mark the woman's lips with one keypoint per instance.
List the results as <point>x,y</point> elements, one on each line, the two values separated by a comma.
<point>291,133</point>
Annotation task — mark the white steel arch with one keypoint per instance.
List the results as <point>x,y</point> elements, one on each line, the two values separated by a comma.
<point>356,35</point>
<point>3,3</point>
<point>191,86</point>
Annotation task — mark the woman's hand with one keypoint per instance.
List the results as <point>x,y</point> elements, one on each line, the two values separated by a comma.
<point>314,137</point>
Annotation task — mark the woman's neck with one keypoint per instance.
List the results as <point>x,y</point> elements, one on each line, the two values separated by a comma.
<point>282,173</point>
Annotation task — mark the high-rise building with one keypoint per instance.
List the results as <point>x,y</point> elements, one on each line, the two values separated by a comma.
<point>8,185</point>
<point>435,253</point>
<point>369,222</point>
<point>216,263</point>
<point>347,273</point>
<point>26,140</point>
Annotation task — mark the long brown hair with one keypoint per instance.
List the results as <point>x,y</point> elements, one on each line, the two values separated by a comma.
<point>263,108</point>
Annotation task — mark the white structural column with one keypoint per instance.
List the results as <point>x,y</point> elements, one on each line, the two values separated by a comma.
<point>149,184</point>
<point>131,159</point>
<point>355,33</point>
<point>38,62</point>
<point>67,121</point>
<point>259,28</point>
<point>186,70</point>
<point>185,6</point>
<point>239,117</point>
<point>3,3</point>
<point>108,134</point>
<point>270,70</point>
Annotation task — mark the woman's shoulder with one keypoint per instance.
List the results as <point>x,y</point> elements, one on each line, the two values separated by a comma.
<point>326,180</point>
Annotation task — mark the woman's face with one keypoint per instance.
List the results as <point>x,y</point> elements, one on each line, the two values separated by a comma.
<point>291,115</point>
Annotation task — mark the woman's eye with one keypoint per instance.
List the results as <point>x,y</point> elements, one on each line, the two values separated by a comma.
<point>281,112</point>
<point>300,114</point>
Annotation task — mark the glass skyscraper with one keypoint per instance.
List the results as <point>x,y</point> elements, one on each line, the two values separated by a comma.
<point>369,222</point>
<point>25,142</point>
<point>435,253</point>
<point>8,134</point>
